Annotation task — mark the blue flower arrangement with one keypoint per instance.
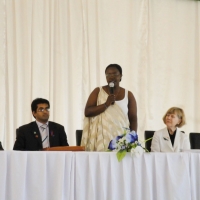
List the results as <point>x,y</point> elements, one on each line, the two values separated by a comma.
<point>127,142</point>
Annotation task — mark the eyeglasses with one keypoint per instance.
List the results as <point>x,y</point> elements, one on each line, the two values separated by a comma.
<point>43,109</point>
<point>109,75</point>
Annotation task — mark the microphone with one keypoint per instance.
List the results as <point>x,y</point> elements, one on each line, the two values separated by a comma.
<point>111,85</point>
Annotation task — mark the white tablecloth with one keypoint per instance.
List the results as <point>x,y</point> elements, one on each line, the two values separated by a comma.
<point>36,175</point>
<point>151,176</point>
<point>99,176</point>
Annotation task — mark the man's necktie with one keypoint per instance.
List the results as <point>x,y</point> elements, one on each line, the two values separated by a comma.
<point>44,136</point>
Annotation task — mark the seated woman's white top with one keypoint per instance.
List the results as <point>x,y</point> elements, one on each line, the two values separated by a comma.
<point>161,141</point>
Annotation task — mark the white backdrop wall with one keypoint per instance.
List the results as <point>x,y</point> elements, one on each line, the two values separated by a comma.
<point>59,50</point>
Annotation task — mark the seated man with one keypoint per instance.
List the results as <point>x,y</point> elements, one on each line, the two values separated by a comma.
<point>41,133</point>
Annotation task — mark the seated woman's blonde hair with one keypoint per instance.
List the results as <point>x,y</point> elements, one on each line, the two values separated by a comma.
<point>179,112</point>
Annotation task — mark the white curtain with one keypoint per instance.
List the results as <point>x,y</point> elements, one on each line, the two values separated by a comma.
<point>59,49</point>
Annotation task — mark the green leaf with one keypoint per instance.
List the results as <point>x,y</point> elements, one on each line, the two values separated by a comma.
<point>121,154</point>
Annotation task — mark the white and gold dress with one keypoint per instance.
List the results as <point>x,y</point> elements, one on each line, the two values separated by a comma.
<point>98,131</point>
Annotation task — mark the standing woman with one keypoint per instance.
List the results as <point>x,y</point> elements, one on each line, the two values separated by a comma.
<point>171,139</point>
<point>106,114</point>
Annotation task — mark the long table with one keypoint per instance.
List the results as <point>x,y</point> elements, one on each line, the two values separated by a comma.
<point>98,176</point>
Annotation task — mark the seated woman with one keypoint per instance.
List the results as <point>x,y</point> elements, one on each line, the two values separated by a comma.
<point>171,139</point>
<point>109,108</point>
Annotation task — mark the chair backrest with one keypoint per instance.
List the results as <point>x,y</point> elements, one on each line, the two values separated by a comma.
<point>78,137</point>
<point>147,135</point>
<point>195,140</point>
<point>17,131</point>
<point>1,148</point>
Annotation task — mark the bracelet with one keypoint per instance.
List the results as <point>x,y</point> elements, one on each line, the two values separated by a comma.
<point>105,105</point>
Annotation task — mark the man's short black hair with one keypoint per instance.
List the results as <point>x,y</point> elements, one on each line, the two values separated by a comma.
<point>37,101</point>
<point>116,66</point>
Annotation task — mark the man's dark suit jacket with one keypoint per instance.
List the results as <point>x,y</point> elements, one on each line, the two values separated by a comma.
<point>29,138</point>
